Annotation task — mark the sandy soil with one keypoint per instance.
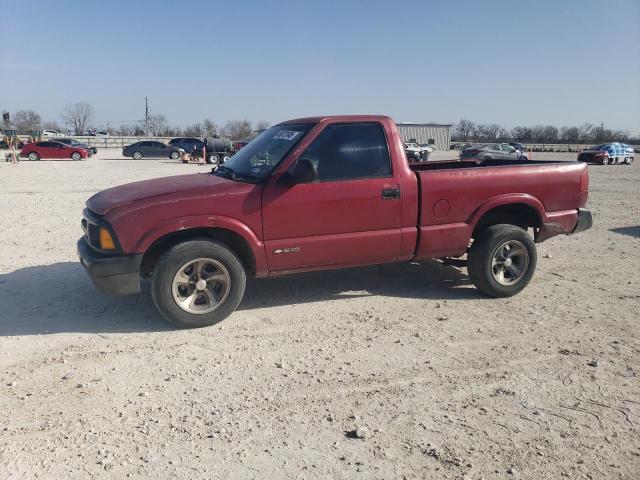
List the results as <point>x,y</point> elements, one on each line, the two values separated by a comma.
<point>449,384</point>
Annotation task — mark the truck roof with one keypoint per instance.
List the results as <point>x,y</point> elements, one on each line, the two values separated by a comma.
<point>339,118</point>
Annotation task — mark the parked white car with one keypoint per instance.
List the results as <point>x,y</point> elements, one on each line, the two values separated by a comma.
<point>50,133</point>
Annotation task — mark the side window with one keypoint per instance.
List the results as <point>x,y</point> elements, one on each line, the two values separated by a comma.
<point>350,151</point>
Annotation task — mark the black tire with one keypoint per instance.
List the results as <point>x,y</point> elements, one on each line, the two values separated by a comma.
<point>175,155</point>
<point>33,156</point>
<point>481,255</point>
<point>213,159</point>
<point>137,155</point>
<point>76,156</point>
<point>167,268</point>
<point>628,160</point>
<point>605,161</point>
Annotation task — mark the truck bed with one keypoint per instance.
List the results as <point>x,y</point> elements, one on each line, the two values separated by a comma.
<point>455,194</point>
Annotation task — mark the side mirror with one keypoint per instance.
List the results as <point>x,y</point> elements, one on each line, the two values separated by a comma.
<point>305,171</point>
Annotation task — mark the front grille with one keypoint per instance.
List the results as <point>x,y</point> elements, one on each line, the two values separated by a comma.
<point>91,232</point>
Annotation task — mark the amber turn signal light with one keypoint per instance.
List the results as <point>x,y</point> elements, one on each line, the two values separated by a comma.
<point>106,240</point>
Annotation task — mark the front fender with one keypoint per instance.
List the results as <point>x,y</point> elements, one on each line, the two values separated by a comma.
<point>206,221</point>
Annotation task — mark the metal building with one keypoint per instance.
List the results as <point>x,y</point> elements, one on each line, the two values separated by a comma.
<point>436,134</point>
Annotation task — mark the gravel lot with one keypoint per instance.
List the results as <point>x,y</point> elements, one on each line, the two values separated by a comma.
<point>449,384</point>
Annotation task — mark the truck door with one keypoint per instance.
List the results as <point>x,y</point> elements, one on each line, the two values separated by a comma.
<point>350,215</point>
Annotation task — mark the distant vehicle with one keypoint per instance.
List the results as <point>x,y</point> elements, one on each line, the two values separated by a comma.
<point>427,147</point>
<point>51,149</point>
<point>519,146</point>
<point>413,151</point>
<point>50,133</point>
<point>74,143</point>
<point>188,144</point>
<point>492,151</point>
<point>218,150</point>
<point>152,148</point>
<point>239,145</point>
<point>607,153</point>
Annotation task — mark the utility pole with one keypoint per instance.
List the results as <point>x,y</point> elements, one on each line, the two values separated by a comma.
<point>146,116</point>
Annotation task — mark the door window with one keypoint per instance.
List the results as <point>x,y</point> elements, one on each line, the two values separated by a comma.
<point>350,151</point>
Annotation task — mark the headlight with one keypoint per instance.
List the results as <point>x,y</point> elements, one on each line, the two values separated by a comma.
<point>106,240</point>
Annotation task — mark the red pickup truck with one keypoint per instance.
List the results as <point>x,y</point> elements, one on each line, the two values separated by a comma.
<point>322,193</point>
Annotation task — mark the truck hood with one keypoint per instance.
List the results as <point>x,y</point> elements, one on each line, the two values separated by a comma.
<point>163,189</point>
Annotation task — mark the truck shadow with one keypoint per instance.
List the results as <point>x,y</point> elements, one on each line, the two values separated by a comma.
<point>630,231</point>
<point>58,298</point>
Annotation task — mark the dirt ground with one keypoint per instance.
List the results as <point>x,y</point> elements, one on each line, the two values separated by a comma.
<point>448,383</point>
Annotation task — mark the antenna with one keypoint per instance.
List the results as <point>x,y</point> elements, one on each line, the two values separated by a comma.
<point>146,115</point>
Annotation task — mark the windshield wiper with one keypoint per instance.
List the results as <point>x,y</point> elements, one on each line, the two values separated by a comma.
<point>227,172</point>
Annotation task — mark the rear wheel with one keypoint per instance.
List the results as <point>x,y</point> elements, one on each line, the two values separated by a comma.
<point>76,156</point>
<point>213,159</point>
<point>33,156</point>
<point>502,260</point>
<point>225,158</point>
<point>198,283</point>
<point>137,155</point>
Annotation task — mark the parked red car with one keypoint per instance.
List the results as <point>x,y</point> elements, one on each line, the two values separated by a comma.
<point>51,149</point>
<point>321,193</point>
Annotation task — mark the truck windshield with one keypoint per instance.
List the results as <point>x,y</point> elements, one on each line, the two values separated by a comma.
<point>261,156</point>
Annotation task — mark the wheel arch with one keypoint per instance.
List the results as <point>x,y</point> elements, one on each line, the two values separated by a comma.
<point>523,211</point>
<point>231,239</point>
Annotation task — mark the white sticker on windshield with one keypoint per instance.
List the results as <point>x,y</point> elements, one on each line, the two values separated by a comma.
<point>286,135</point>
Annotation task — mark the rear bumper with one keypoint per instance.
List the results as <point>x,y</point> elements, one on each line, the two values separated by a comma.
<point>585,221</point>
<point>565,223</point>
<point>116,275</point>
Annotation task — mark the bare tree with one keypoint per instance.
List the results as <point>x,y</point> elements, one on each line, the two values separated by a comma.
<point>27,121</point>
<point>194,130</point>
<point>465,129</point>
<point>238,129</point>
<point>50,126</point>
<point>157,125</point>
<point>209,129</point>
<point>489,132</point>
<point>78,115</point>
<point>262,125</point>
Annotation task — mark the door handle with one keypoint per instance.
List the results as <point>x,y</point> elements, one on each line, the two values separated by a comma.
<point>391,193</point>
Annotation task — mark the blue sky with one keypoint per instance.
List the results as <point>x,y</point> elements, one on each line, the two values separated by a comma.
<point>507,62</point>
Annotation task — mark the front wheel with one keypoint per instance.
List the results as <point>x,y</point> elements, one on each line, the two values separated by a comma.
<point>137,155</point>
<point>174,155</point>
<point>605,161</point>
<point>198,283</point>
<point>502,260</point>
<point>628,160</point>
<point>76,156</point>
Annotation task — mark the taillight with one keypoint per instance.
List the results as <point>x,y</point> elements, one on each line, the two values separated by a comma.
<point>584,187</point>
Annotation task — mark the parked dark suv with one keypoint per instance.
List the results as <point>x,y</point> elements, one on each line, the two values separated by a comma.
<point>188,144</point>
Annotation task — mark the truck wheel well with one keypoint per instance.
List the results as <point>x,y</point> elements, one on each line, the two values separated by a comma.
<point>231,239</point>
<point>518,214</point>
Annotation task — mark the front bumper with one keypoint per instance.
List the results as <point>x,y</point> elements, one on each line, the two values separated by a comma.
<point>114,274</point>
<point>585,221</point>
